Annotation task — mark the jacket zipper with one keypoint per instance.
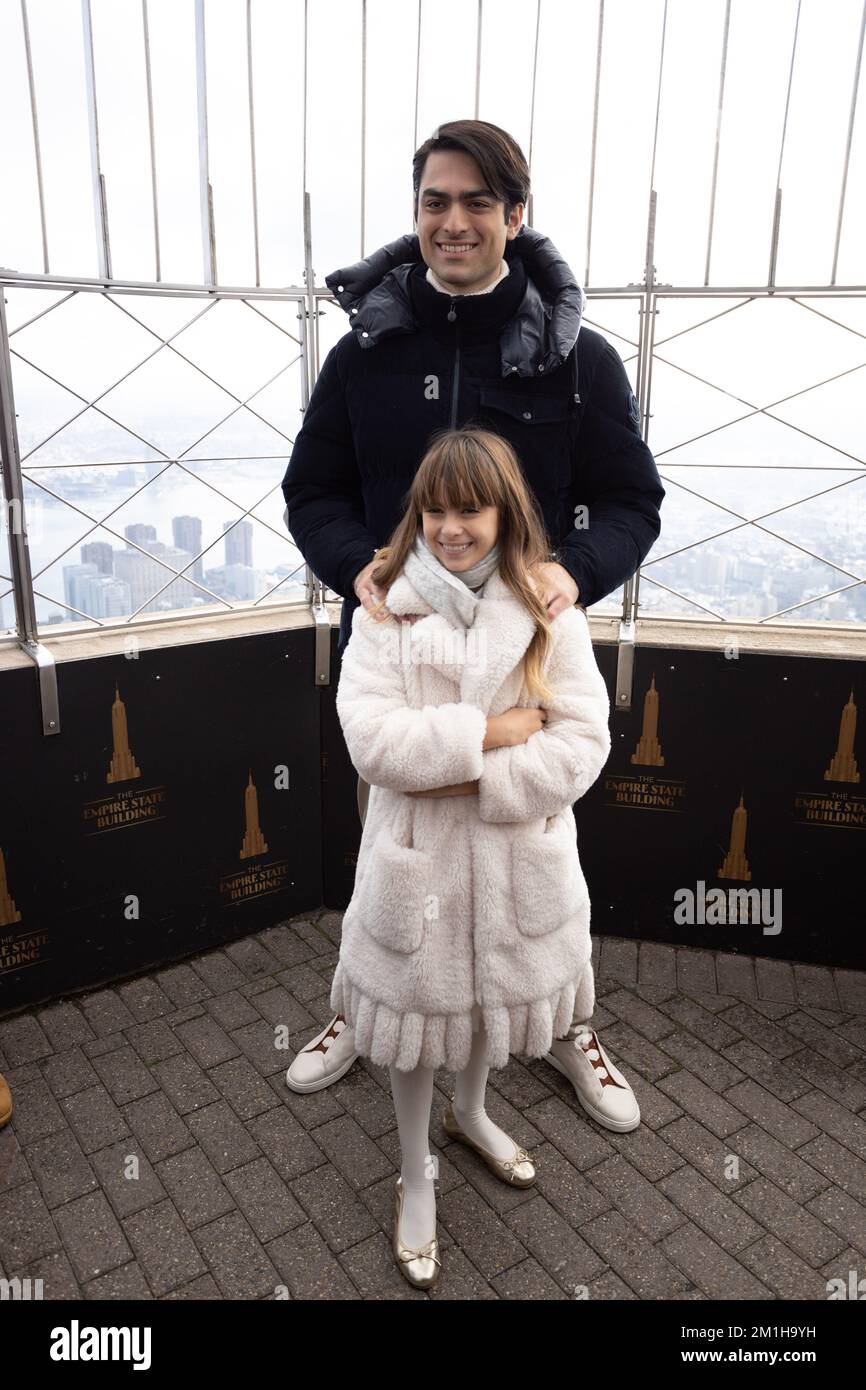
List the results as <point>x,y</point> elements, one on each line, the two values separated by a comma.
<point>455,388</point>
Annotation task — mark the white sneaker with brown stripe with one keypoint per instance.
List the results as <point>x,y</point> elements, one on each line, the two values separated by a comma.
<point>325,1059</point>
<point>600,1087</point>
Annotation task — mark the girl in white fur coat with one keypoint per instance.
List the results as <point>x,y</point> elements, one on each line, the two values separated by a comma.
<point>478,725</point>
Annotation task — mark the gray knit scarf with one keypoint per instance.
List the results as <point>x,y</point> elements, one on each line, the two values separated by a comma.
<point>449,593</point>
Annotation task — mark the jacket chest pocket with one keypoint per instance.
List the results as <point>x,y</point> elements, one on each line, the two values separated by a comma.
<point>392,897</point>
<point>539,429</point>
<point>547,880</point>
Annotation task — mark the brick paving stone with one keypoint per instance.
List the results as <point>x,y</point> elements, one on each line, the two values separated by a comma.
<point>642,1203</point>
<point>94,1117</point>
<point>783,1271</point>
<point>696,970</point>
<point>573,1134</point>
<point>252,958</point>
<point>218,971</point>
<point>36,1112</point>
<point>23,1040</point>
<point>609,1288</point>
<point>92,1236</point>
<point>265,1199</point>
<point>345,1144</point>
<point>619,959</point>
<point>236,1257</point>
<point>736,975</point>
<point>772,1159</point>
<point>710,1267</point>
<point>328,1200</point>
<point>704,1062</point>
<point>209,1043</point>
<point>124,1075</point>
<point>851,989</point>
<point>815,985</point>
<point>154,1041</point>
<point>145,999</point>
<point>791,1223</point>
<point>246,1092</point>
<point>231,1010</point>
<point>308,1269</point>
<point>854,1030</point>
<point>836,1163</point>
<point>64,1026</point>
<point>157,1126</point>
<point>186,1085</point>
<point>259,1042</point>
<point>656,1109</point>
<point>528,1282</point>
<point>287,943</point>
<point>772,1008</point>
<point>182,985</point>
<point>717,1215</point>
<point>571,1193</point>
<point>771,1114</point>
<point>781,1079</point>
<point>14,1169</point>
<point>707,1153</point>
<point>301,981</point>
<point>61,1168</point>
<point>839,1211</point>
<point>202,1288</point>
<point>760,1030</point>
<point>26,1228</point>
<point>194,1187</point>
<point>644,1018</point>
<point>280,1008</point>
<point>775,979</point>
<point>224,1139</point>
<point>125,1282</point>
<point>647,1151</point>
<point>58,1277</point>
<point>837,1084</point>
<point>367,1103</point>
<point>127,1177</point>
<point>825,1042</point>
<point>657,964</point>
<point>834,1119</point>
<point>641,1265</point>
<point>106,1012</point>
<point>69,1072</point>
<point>702,1103</point>
<point>697,1019</point>
<point>163,1247</point>
<point>481,1234</point>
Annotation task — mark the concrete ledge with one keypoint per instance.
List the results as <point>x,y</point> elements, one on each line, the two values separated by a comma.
<point>836,641</point>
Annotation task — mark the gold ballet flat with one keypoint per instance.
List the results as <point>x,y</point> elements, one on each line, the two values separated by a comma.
<point>518,1171</point>
<point>420,1267</point>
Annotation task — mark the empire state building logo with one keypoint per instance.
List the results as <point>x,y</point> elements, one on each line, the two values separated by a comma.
<point>843,766</point>
<point>8,911</point>
<point>254,840</point>
<point>123,765</point>
<point>649,751</point>
<point>736,864</point>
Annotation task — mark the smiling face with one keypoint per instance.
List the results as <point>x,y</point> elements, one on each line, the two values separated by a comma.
<point>460,223</point>
<point>460,536</point>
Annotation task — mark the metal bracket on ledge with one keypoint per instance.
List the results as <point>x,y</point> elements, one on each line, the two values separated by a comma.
<point>625,645</point>
<point>46,672</point>
<point>323,632</point>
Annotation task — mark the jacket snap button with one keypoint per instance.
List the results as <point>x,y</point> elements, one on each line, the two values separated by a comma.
<point>527,414</point>
<point>365,334</point>
<point>354,311</point>
<point>541,366</point>
<point>339,289</point>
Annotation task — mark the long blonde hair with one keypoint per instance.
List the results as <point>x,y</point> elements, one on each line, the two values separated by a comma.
<point>476,468</point>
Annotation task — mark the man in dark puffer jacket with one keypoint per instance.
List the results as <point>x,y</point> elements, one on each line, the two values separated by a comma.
<point>474,320</point>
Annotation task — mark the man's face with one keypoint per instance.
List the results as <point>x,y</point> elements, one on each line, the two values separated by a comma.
<point>460,223</point>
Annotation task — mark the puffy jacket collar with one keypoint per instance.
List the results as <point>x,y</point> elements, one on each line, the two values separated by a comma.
<point>377,295</point>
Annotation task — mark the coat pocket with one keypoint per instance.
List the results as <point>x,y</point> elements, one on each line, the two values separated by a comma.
<point>547,880</point>
<point>392,896</point>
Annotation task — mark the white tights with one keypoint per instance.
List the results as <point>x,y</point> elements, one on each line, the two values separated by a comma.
<point>413,1096</point>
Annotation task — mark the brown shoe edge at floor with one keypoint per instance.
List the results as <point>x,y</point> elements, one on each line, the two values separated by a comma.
<point>5,1101</point>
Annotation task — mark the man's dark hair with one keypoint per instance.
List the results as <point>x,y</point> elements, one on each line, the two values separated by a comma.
<point>497,154</point>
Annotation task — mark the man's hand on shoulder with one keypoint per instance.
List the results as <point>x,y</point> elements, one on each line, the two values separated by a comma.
<point>369,593</point>
<point>558,590</point>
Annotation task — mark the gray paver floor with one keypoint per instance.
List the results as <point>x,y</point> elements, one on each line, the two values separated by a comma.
<point>155,1150</point>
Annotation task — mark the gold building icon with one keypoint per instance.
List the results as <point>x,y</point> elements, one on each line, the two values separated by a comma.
<point>8,911</point>
<point>254,840</point>
<point>843,767</point>
<point>736,864</point>
<point>123,766</point>
<point>648,750</point>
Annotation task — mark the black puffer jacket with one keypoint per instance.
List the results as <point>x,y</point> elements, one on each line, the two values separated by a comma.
<point>515,360</point>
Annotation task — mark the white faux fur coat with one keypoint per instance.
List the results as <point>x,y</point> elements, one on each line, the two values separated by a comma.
<point>465,903</point>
